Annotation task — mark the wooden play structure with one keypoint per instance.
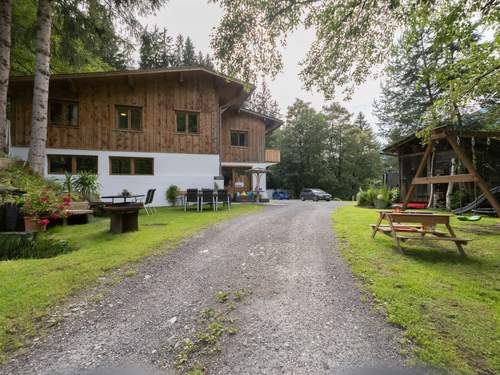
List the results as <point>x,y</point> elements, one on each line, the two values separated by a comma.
<point>444,134</point>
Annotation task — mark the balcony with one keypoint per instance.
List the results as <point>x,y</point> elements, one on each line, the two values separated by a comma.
<point>273,155</point>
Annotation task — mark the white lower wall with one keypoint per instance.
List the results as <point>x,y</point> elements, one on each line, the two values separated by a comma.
<point>184,170</point>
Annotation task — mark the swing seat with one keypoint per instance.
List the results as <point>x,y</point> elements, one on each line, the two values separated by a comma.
<point>469,218</point>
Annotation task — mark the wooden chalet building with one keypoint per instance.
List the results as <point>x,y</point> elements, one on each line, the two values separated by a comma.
<point>143,129</point>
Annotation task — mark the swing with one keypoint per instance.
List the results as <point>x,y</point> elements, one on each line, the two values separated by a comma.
<point>469,217</point>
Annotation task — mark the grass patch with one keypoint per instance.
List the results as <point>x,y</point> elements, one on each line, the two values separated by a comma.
<point>30,287</point>
<point>448,305</point>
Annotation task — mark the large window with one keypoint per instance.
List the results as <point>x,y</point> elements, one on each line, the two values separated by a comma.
<point>187,122</point>
<point>61,164</point>
<point>63,113</point>
<point>128,118</point>
<point>131,166</point>
<point>239,139</point>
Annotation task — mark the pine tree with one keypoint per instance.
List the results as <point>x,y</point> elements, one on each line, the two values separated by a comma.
<point>262,101</point>
<point>361,122</point>
<point>200,60</point>
<point>179,50</point>
<point>208,62</point>
<point>156,49</point>
<point>188,54</point>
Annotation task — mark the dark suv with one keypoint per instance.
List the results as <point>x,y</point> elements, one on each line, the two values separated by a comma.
<point>314,195</point>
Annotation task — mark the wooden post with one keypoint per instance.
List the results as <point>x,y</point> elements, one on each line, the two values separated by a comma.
<point>470,167</point>
<point>423,164</point>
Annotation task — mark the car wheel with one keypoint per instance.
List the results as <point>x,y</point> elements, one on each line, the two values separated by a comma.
<point>302,199</point>
<point>315,199</point>
<point>328,200</point>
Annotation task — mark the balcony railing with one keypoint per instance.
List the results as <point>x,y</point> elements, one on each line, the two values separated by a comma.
<point>273,155</point>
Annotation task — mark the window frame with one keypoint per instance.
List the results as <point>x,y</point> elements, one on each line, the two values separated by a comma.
<point>132,165</point>
<point>64,103</point>
<point>129,109</point>
<point>186,114</point>
<point>74,169</point>
<point>239,132</point>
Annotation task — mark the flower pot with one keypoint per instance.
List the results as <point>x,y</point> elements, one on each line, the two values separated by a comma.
<point>32,225</point>
<point>380,204</point>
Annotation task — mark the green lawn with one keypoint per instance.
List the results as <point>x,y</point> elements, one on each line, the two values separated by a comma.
<point>30,287</point>
<point>448,306</point>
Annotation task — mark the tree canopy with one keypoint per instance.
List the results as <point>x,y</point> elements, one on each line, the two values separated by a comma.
<point>353,37</point>
<point>326,149</point>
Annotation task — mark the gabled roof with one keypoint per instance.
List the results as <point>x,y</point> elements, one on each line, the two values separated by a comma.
<point>272,123</point>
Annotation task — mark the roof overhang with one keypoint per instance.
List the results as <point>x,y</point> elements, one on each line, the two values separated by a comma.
<point>235,90</point>
<point>272,123</point>
<point>393,149</point>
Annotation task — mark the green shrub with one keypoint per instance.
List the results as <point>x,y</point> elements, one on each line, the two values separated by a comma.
<point>367,198</point>
<point>33,245</point>
<point>172,193</point>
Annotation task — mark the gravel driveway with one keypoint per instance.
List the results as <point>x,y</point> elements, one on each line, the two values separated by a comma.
<point>303,313</point>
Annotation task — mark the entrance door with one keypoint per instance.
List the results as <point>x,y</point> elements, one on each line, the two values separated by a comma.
<point>236,179</point>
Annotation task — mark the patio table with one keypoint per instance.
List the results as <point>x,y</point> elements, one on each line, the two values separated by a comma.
<point>420,224</point>
<point>124,197</point>
<point>124,216</point>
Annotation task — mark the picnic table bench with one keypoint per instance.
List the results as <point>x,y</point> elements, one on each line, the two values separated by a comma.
<point>421,224</point>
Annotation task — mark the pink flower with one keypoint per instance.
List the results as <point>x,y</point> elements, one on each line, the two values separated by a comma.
<point>43,221</point>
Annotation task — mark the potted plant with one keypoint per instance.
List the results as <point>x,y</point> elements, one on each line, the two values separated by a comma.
<point>39,208</point>
<point>172,193</point>
<point>382,200</point>
<point>87,185</point>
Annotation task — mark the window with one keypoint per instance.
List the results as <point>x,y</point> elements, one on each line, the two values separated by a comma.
<point>61,164</point>
<point>63,113</point>
<point>187,122</point>
<point>131,166</point>
<point>129,118</point>
<point>239,139</point>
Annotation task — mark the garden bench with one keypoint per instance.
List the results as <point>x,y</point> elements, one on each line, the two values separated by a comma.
<point>77,209</point>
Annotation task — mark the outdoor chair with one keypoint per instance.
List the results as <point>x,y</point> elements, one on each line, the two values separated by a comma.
<point>224,199</point>
<point>191,198</point>
<point>207,197</point>
<point>147,202</point>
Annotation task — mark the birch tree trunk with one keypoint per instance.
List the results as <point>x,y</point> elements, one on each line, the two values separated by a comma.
<point>5,42</point>
<point>449,191</point>
<point>36,154</point>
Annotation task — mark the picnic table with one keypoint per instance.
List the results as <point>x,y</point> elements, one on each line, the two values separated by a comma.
<point>420,224</point>
<point>124,216</point>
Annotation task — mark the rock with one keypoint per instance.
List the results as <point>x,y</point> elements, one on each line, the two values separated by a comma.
<point>172,320</point>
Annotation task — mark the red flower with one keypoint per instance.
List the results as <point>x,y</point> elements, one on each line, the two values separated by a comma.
<point>43,199</point>
<point>61,206</point>
<point>43,221</point>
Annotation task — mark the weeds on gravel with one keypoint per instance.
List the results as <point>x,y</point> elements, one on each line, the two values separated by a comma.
<point>214,324</point>
<point>29,288</point>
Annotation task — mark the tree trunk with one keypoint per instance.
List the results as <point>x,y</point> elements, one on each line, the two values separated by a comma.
<point>449,191</point>
<point>5,42</point>
<point>36,155</point>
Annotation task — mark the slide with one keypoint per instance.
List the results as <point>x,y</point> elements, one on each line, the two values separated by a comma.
<point>475,203</point>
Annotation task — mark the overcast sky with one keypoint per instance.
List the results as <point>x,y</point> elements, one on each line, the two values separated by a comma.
<point>197,19</point>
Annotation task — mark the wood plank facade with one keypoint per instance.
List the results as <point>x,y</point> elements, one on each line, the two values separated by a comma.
<point>158,97</point>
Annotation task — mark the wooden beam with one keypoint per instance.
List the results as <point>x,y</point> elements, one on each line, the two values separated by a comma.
<point>470,167</point>
<point>437,136</point>
<point>421,167</point>
<point>444,179</point>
